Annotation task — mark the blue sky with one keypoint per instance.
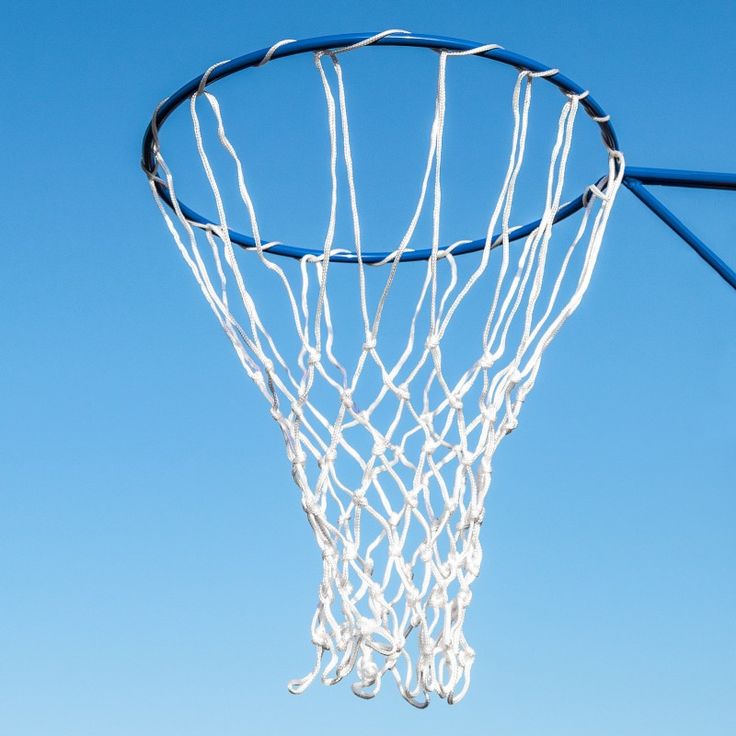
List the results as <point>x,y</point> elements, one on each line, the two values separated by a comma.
<point>157,574</point>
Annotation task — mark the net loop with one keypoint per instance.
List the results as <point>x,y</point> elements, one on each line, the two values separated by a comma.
<point>272,50</point>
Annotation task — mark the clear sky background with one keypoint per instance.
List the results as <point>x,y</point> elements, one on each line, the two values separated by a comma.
<point>157,574</point>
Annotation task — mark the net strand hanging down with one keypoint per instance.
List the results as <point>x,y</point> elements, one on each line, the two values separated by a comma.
<point>399,539</point>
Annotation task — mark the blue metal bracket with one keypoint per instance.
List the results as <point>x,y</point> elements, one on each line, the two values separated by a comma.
<point>637,177</point>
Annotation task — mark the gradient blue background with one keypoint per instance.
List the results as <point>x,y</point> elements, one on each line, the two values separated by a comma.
<point>156,572</point>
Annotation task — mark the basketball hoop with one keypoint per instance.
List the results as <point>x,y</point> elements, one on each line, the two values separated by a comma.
<point>392,458</point>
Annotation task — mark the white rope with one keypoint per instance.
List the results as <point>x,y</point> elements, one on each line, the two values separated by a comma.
<point>396,504</point>
<point>269,54</point>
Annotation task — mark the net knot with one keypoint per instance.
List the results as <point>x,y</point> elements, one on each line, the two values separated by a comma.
<point>394,549</point>
<point>375,593</point>
<point>311,506</point>
<point>475,515</point>
<point>466,458</point>
<point>347,398</point>
<point>438,598</point>
<point>370,343</point>
<point>328,458</point>
<point>412,500</point>
<point>510,424</point>
<point>426,420</point>
<point>325,594</point>
<point>379,447</point>
<point>473,562</point>
<point>486,361</point>
<point>413,599</point>
<point>321,639</point>
<point>314,356</point>
<point>402,392</point>
<point>425,552</point>
<point>367,670</point>
<point>350,552</point>
<point>359,499</point>
<point>298,457</point>
<point>371,473</point>
<point>455,401</point>
<point>489,413</point>
<point>464,596</point>
<point>432,342</point>
<point>430,445</point>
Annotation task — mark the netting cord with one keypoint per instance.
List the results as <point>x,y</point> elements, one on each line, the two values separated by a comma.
<point>361,624</point>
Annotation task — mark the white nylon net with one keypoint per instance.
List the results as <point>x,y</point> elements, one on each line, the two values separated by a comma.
<point>392,457</point>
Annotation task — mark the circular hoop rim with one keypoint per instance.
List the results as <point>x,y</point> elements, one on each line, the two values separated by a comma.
<point>326,43</point>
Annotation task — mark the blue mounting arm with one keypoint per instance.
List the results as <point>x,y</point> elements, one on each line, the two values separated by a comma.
<point>637,177</point>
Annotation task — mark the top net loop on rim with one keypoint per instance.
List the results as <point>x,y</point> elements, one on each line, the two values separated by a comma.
<point>396,503</point>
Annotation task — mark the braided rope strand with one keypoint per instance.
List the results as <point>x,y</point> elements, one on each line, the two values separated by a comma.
<point>394,485</point>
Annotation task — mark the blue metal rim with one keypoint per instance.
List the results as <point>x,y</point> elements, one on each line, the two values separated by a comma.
<point>324,43</point>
